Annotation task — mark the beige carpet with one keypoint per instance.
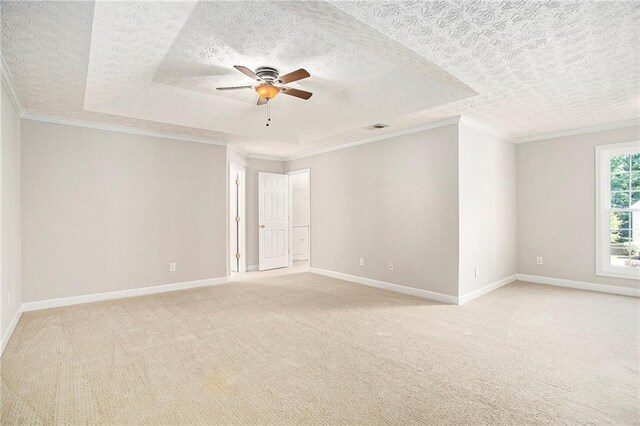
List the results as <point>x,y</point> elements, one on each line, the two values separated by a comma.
<point>306,349</point>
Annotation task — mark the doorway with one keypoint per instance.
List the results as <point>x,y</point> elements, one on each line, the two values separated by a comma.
<point>237,249</point>
<point>284,220</point>
<point>300,224</point>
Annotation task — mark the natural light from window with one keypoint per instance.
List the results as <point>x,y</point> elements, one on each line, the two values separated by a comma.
<point>619,210</point>
<point>625,210</point>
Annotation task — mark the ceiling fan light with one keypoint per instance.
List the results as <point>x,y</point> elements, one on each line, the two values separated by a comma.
<point>267,91</point>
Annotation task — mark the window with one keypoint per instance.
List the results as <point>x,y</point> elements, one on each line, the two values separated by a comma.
<point>618,210</point>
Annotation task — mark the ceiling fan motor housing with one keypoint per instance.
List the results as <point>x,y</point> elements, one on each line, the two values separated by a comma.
<point>270,83</point>
<point>268,74</point>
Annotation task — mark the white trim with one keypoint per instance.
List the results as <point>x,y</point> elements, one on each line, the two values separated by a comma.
<point>242,213</point>
<point>238,151</point>
<point>252,268</point>
<point>486,289</point>
<point>97,297</point>
<point>603,154</point>
<point>243,221</point>
<point>306,171</point>
<point>120,129</point>
<point>580,285</point>
<point>2,337</point>
<point>440,123</point>
<point>10,330</point>
<point>266,157</point>
<point>300,172</point>
<point>582,130</point>
<point>7,82</point>
<point>484,128</point>
<point>425,294</point>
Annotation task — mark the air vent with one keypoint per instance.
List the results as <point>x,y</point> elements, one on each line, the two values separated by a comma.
<point>378,126</point>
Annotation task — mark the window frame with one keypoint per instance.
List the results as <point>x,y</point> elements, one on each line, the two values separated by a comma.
<point>603,154</point>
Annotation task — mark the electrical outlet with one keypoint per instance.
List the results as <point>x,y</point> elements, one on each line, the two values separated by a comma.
<point>477,271</point>
<point>539,260</point>
<point>391,266</point>
<point>362,261</point>
<point>172,267</point>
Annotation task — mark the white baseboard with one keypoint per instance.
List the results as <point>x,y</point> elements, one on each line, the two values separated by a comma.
<point>301,256</point>
<point>425,294</point>
<point>97,297</point>
<point>486,289</point>
<point>580,285</point>
<point>9,332</point>
<point>252,268</point>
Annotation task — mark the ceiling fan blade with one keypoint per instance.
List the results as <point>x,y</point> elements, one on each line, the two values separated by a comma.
<point>234,88</point>
<point>302,94</point>
<point>246,71</point>
<point>261,101</point>
<point>293,76</point>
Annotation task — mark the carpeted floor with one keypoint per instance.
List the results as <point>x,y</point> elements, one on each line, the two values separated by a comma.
<point>306,349</point>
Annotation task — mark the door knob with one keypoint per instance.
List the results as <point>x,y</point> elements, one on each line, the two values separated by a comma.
<point>261,226</point>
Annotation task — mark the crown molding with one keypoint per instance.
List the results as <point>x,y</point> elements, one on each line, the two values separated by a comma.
<point>237,150</point>
<point>266,157</point>
<point>415,129</point>
<point>120,129</point>
<point>582,130</point>
<point>434,124</point>
<point>7,82</point>
<point>484,128</point>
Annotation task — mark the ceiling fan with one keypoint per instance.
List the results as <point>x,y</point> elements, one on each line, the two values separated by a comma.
<point>271,83</point>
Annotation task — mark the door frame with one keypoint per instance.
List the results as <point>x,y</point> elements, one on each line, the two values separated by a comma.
<point>242,228</point>
<point>290,173</point>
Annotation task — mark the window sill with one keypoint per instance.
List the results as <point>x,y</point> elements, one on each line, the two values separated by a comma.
<point>629,274</point>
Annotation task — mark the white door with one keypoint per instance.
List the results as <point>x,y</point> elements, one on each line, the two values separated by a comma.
<point>273,217</point>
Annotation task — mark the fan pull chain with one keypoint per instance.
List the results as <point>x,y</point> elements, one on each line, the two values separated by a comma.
<point>268,112</point>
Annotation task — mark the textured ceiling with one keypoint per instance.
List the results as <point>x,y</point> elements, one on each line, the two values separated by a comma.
<point>140,69</point>
<point>524,68</point>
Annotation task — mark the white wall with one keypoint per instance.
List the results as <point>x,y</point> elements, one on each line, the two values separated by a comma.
<point>395,200</point>
<point>487,209</point>
<point>10,261</point>
<point>106,211</point>
<point>253,167</point>
<point>556,206</point>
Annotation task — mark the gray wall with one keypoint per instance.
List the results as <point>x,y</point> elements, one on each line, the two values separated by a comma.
<point>300,203</point>
<point>390,201</point>
<point>254,166</point>
<point>556,206</point>
<point>236,158</point>
<point>10,264</point>
<point>106,211</point>
<point>487,209</point>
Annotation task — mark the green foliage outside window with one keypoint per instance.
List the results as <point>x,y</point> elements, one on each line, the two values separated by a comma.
<point>625,193</point>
